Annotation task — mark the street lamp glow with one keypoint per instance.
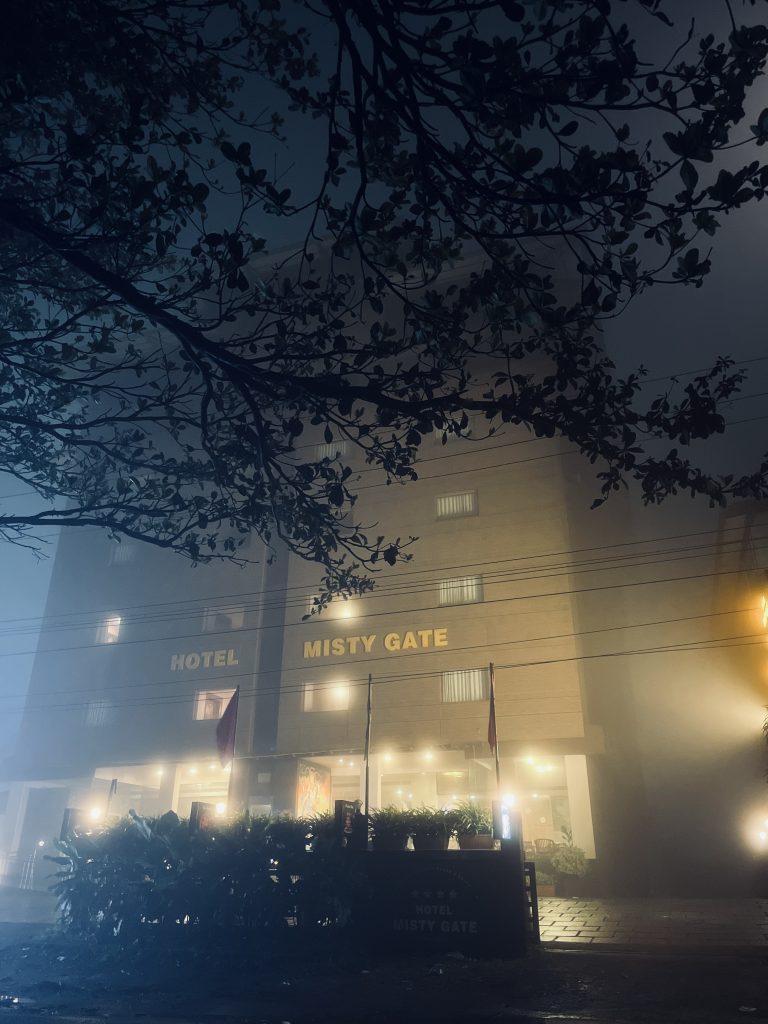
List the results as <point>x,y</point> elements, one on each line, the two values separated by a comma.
<point>95,813</point>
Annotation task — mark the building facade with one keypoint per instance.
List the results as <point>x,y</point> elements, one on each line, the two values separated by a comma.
<point>606,632</point>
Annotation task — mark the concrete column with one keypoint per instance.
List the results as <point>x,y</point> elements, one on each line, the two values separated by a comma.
<point>579,802</point>
<point>168,797</point>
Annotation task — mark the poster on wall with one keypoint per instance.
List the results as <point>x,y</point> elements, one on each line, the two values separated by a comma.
<point>313,790</point>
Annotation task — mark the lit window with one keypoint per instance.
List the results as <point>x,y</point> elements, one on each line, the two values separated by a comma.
<point>109,630</point>
<point>330,450</point>
<point>210,705</point>
<point>219,620</point>
<point>326,697</point>
<point>465,684</point>
<point>451,506</point>
<point>461,590</point>
<point>98,712</point>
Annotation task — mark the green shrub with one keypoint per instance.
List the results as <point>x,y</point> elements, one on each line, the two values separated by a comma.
<point>428,821</point>
<point>390,821</point>
<point>255,874</point>
<point>474,819</point>
<point>569,860</point>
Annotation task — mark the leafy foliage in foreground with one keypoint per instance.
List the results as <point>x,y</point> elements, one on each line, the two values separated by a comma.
<point>158,373</point>
<point>254,876</point>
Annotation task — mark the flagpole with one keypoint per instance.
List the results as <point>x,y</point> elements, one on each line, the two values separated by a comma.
<point>495,736</point>
<point>367,750</point>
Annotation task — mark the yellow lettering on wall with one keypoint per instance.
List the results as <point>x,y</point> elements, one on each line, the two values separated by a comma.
<point>338,646</point>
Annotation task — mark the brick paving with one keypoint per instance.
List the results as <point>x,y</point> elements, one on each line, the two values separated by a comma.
<point>655,922</point>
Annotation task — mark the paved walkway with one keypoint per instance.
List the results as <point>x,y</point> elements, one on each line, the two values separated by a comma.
<point>655,922</point>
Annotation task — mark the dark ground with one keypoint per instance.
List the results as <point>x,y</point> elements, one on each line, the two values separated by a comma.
<point>54,976</point>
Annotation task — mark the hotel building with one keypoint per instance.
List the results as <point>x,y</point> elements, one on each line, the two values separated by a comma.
<point>628,709</point>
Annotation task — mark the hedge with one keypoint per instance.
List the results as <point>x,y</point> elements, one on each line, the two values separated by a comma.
<point>257,875</point>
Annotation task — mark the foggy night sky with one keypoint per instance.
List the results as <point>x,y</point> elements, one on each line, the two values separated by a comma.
<point>670,330</point>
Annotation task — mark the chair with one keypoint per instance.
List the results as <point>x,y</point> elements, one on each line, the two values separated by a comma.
<point>544,845</point>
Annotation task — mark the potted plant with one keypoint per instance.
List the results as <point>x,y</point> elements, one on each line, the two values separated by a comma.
<point>391,828</point>
<point>545,884</point>
<point>430,828</point>
<point>569,866</point>
<point>474,826</point>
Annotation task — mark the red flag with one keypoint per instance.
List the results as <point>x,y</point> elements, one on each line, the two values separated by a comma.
<point>492,741</point>
<point>226,729</point>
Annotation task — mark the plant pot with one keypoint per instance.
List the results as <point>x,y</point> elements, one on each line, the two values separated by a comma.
<point>474,842</point>
<point>569,885</point>
<point>390,841</point>
<point>427,842</point>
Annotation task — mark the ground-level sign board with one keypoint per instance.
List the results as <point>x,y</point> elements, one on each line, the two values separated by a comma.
<point>471,901</point>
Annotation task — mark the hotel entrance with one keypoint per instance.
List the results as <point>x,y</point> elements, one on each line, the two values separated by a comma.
<point>549,790</point>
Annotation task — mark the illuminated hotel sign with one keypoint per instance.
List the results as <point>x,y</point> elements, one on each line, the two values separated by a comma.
<point>203,659</point>
<point>412,640</point>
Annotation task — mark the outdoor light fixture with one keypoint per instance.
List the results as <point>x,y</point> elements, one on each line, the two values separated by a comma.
<point>159,772</point>
<point>41,842</point>
<point>510,798</point>
<point>212,766</point>
<point>428,755</point>
<point>221,809</point>
<point>193,770</point>
<point>387,757</point>
<point>95,813</point>
<point>530,760</point>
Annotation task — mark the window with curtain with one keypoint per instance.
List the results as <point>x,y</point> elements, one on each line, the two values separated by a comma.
<point>465,684</point>
<point>451,506</point>
<point>109,630</point>
<point>330,450</point>
<point>98,712</point>
<point>461,590</point>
